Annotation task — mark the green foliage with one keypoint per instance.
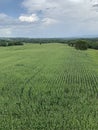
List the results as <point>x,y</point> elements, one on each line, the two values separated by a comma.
<point>93,45</point>
<point>81,45</point>
<point>10,43</point>
<point>3,43</point>
<point>48,87</point>
<point>71,43</point>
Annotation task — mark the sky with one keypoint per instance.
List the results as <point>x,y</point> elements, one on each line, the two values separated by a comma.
<point>48,18</point>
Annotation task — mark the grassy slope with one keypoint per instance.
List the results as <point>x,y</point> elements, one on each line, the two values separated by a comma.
<point>48,87</point>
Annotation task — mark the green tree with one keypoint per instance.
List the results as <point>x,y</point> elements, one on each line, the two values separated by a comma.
<point>81,45</point>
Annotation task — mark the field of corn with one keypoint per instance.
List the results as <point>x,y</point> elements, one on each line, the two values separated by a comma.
<point>48,87</point>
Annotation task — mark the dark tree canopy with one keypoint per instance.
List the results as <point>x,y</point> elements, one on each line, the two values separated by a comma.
<point>81,45</point>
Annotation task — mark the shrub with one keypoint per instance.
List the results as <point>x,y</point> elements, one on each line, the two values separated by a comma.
<point>93,45</point>
<point>81,45</point>
<point>10,43</point>
<point>18,43</point>
<point>3,43</point>
<point>71,43</point>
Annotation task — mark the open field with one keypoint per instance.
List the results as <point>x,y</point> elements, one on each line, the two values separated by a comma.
<point>48,87</point>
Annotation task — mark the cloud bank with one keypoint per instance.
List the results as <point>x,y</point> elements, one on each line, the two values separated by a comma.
<point>53,18</point>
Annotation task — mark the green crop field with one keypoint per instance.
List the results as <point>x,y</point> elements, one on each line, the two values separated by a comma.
<point>48,87</point>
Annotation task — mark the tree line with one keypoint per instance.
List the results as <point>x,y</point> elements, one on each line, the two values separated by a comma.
<point>10,43</point>
<point>82,44</point>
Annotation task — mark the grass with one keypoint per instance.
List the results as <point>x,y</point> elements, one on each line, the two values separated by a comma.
<point>48,87</point>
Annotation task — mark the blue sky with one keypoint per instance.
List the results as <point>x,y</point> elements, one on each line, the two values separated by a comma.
<point>11,7</point>
<point>48,18</point>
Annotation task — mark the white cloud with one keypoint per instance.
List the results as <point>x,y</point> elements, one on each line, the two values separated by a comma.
<point>30,19</point>
<point>33,5</point>
<point>5,32</point>
<point>3,17</point>
<point>49,21</point>
<point>74,16</point>
<point>53,18</point>
<point>58,8</point>
<point>76,1</point>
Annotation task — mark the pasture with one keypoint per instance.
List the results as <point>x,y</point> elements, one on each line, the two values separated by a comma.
<point>48,87</point>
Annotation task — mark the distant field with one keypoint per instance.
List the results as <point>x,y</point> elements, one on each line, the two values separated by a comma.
<point>48,87</point>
